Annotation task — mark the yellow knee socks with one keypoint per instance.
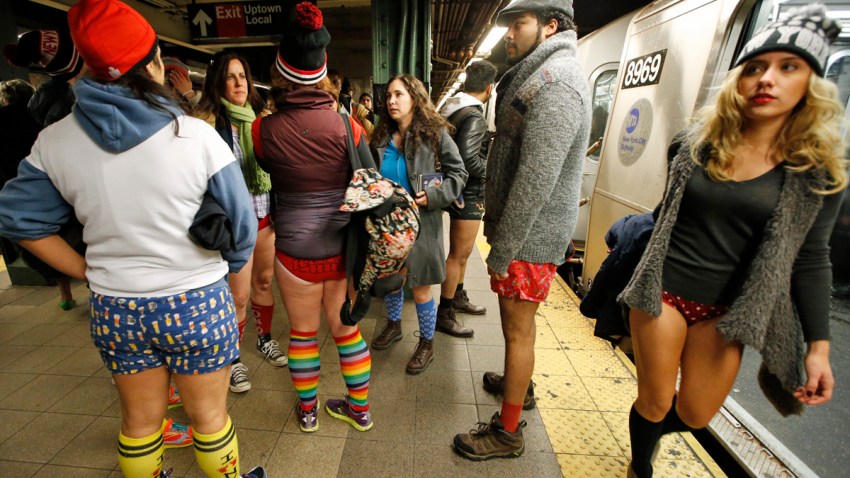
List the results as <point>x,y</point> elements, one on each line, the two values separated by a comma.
<point>218,453</point>
<point>141,457</point>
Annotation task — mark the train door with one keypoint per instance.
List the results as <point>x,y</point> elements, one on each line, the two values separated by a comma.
<point>669,48</point>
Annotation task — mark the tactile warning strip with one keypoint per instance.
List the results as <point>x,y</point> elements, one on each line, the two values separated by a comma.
<point>597,363</point>
<point>552,362</point>
<point>562,391</point>
<point>579,432</point>
<point>579,338</point>
<point>593,466</point>
<point>611,394</point>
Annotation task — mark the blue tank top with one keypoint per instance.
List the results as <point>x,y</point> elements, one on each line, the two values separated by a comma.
<point>394,167</point>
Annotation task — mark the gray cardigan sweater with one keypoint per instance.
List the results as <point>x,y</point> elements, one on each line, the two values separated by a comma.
<point>763,316</point>
<point>534,166</point>
<point>426,264</point>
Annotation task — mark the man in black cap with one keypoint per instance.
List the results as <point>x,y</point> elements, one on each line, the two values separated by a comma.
<point>532,195</point>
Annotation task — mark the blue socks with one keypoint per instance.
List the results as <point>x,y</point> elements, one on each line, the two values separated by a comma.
<point>427,315</point>
<point>394,303</point>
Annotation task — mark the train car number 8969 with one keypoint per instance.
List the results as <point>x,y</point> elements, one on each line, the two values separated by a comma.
<point>644,70</point>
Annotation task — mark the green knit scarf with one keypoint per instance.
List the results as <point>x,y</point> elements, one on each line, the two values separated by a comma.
<point>257,180</point>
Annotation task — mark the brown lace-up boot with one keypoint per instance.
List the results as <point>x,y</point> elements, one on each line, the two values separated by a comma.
<point>447,323</point>
<point>495,383</point>
<point>422,357</point>
<point>390,334</point>
<point>462,304</point>
<point>490,440</point>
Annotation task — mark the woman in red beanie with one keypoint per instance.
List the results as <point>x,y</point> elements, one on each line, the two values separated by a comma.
<point>134,169</point>
<point>231,103</point>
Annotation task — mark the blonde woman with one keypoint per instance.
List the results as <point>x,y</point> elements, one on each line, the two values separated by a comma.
<point>739,255</point>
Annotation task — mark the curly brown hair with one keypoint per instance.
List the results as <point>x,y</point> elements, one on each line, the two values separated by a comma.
<point>427,124</point>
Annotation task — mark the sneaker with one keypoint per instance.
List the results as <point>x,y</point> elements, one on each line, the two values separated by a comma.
<point>338,408</point>
<point>490,440</point>
<point>173,397</point>
<point>67,304</point>
<point>271,350</point>
<point>176,435</point>
<point>308,422</point>
<point>239,378</point>
<point>165,474</point>
<point>495,383</point>
<point>256,472</point>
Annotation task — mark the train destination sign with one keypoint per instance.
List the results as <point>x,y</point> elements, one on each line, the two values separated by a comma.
<point>644,70</point>
<point>237,20</point>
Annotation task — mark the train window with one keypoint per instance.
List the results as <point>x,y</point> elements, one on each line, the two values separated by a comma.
<point>603,98</point>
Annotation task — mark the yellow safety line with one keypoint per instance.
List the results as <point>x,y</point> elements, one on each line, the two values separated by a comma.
<point>699,451</point>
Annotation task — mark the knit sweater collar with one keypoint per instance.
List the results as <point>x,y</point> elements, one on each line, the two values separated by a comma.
<point>563,42</point>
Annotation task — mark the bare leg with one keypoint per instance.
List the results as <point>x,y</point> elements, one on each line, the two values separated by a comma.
<point>519,330</point>
<point>462,235</point>
<point>709,367</point>
<point>262,271</point>
<point>144,399</point>
<point>205,399</point>
<point>240,286</point>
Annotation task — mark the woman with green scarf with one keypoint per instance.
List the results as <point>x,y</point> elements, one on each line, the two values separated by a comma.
<point>231,103</point>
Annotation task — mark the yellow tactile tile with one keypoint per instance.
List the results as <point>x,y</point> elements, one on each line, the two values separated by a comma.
<point>592,466</point>
<point>597,363</point>
<point>561,391</point>
<point>579,432</point>
<point>579,338</point>
<point>673,446</point>
<point>611,394</point>
<point>552,362</point>
<point>546,339</point>
<point>679,469</point>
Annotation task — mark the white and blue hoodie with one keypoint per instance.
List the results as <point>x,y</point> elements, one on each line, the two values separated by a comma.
<point>136,187</point>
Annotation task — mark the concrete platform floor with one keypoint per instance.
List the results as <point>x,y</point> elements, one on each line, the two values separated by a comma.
<point>60,415</point>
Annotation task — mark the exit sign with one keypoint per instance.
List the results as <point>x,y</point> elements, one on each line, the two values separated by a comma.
<point>215,21</point>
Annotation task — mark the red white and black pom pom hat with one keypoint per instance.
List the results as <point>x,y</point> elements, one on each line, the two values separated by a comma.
<point>51,50</point>
<point>301,56</point>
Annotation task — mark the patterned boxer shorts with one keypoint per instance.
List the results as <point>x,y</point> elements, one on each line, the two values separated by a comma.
<point>526,280</point>
<point>190,333</point>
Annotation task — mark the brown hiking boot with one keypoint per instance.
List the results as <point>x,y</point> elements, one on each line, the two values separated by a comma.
<point>462,304</point>
<point>447,323</point>
<point>495,384</point>
<point>422,357</point>
<point>389,334</point>
<point>490,440</point>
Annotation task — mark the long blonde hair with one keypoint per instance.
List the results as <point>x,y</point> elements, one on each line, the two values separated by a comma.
<point>810,140</point>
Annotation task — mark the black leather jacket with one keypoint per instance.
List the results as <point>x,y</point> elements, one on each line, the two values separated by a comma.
<point>473,139</point>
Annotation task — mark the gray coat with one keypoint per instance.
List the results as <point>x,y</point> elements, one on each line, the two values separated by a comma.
<point>763,315</point>
<point>534,166</point>
<point>427,261</point>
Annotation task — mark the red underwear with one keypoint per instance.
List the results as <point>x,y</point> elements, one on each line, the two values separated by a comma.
<point>314,270</point>
<point>693,312</point>
<point>264,222</point>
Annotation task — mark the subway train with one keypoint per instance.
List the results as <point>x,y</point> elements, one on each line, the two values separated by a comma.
<point>649,71</point>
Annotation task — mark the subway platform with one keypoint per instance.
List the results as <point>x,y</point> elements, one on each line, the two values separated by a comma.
<point>60,415</point>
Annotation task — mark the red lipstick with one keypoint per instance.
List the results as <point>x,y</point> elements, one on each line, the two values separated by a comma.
<point>762,98</point>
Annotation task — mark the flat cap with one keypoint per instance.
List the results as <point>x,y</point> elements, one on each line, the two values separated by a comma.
<point>519,6</point>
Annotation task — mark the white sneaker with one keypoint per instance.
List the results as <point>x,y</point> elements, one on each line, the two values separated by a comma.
<point>239,382</point>
<point>271,350</point>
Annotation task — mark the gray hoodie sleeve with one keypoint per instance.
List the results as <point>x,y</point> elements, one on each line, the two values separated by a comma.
<point>551,126</point>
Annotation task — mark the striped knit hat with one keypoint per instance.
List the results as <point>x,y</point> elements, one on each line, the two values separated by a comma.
<point>301,56</point>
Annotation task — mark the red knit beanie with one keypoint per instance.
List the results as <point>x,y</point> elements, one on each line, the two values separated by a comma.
<point>112,38</point>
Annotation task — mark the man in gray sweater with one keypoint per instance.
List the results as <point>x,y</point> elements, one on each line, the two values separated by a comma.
<point>533,184</point>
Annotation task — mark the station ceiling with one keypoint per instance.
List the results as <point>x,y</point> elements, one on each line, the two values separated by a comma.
<point>458,27</point>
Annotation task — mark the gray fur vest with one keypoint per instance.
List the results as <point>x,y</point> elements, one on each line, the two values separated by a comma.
<point>763,315</point>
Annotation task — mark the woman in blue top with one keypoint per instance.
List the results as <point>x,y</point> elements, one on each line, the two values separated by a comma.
<point>412,140</point>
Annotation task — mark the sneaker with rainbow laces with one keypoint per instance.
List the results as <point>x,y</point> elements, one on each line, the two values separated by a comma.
<point>176,435</point>
<point>174,397</point>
